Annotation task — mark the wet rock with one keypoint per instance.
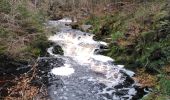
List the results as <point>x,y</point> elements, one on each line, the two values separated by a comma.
<point>9,66</point>
<point>54,81</point>
<point>104,30</point>
<point>9,70</point>
<point>45,77</point>
<point>107,96</point>
<point>74,25</point>
<point>140,92</point>
<point>109,89</point>
<point>103,47</point>
<point>102,50</point>
<point>58,50</point>
<point>56,17</point>
<point>46,64</point>
<point>121,92</point>
<point>127,82</point>
<point>102,86</point>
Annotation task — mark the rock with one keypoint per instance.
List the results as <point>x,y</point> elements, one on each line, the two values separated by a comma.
<point>127,82</point>
<point>86,27</point>
<point>58,50</point>
<point>140,92</point>
<point>10,66</point>
<point>104,30</point>
<point>56,17</point>
<point>108,96</point>
<point>103,47</point>
<point>74,25</point>
<point>121,92</point>
<point>45,64</point>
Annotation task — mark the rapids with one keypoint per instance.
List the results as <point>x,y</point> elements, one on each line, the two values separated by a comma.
<point>84,74</point>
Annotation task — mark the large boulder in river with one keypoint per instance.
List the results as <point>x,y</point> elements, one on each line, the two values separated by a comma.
<point>58,50</point>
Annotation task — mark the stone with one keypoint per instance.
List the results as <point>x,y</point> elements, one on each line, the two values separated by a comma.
<point>58,50</point>
<point>86,27</point>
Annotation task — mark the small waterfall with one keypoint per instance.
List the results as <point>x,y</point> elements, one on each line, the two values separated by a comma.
<point>84,74</point>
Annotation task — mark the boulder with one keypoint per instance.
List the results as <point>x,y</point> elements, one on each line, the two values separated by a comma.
<point>86,27</point>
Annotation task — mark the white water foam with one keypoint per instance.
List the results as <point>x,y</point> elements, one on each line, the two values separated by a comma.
<point>65,70</point>
<point>65,20</point>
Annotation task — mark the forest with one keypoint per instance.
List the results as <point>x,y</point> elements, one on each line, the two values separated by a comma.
<point>137,33</point>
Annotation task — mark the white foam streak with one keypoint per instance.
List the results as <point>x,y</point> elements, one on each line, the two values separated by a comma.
<point>65,70</point>
<point>65,20</point>
<point>102,58</point>
<point>130,73</point>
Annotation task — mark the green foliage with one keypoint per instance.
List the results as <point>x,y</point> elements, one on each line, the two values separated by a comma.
<point>94,21</point>
<point>164,86</point>
<point>155,96</point>
<point>117,35</point>
<point>161,90</point>
<point>5,6</point>
<point>2,49</point>
<point>3,32</point>
<point>22,20</point>
<point>23,11</point>
<point>32,20</point>
<point>148,48</point>
<point>39,45</point>
<point>140,37</point>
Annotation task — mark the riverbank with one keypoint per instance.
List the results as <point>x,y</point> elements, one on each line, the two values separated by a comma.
<point>138,35</point>
<point>23,38</point>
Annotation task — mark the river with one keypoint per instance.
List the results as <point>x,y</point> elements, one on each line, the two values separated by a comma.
<point>81,73</point>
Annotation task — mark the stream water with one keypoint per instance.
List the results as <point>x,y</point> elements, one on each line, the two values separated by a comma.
<point>83,74</point>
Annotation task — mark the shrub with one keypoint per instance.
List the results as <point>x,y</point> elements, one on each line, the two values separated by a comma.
<point>39,45</point>
<point>140,38</point>
<point>22,28</point>
<point>5,6</point>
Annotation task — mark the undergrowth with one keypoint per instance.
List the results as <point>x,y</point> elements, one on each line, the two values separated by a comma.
<point>23,38</point>
<point>22,33</point>
<point>139,37</point>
